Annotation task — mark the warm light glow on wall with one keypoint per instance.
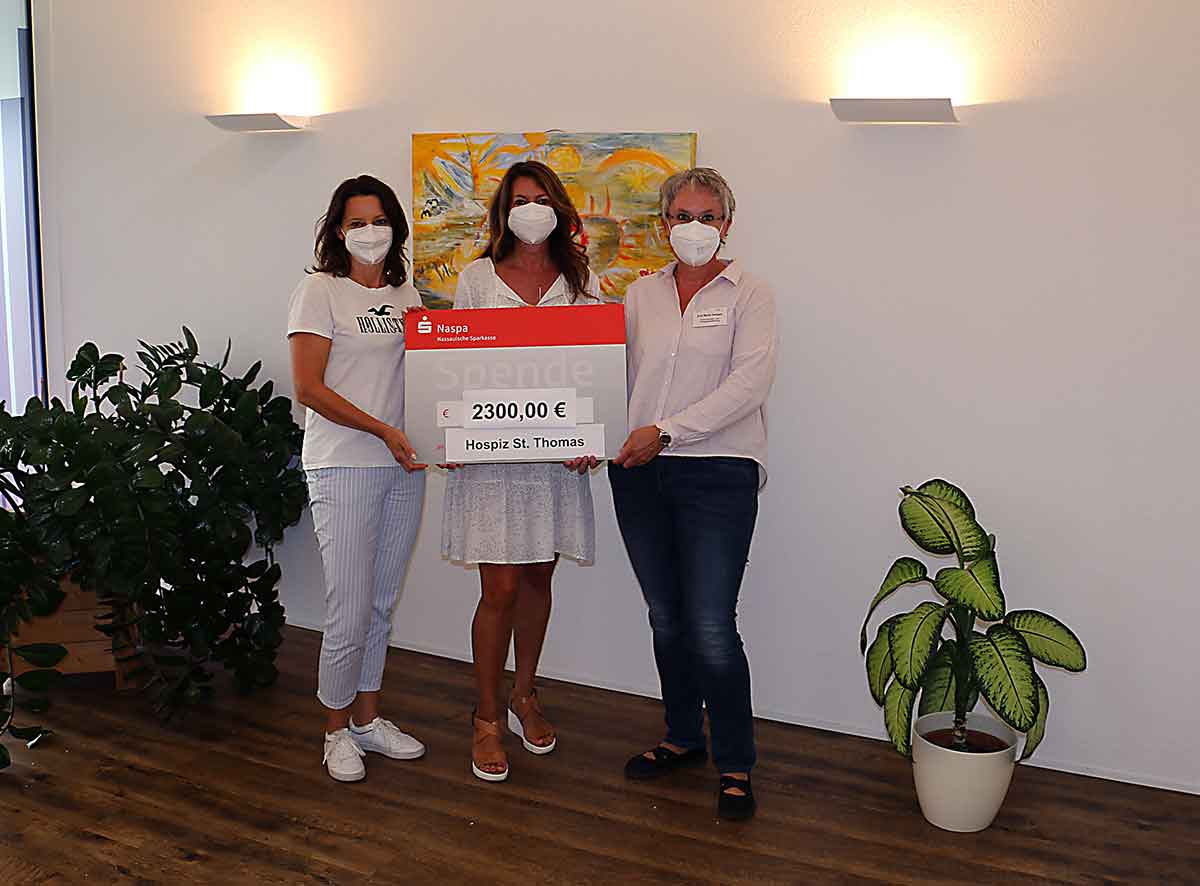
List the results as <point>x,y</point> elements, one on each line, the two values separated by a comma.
<point>282,84</point>
<point>906,62</point>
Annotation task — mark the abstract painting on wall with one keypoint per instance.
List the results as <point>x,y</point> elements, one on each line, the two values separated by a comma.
<point>612,178</point>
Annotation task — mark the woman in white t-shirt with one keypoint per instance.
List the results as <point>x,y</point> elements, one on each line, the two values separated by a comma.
<point>366,487</point>
<point>514,520</point>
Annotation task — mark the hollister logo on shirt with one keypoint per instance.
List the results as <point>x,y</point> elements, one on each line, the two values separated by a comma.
<point>380,321</point>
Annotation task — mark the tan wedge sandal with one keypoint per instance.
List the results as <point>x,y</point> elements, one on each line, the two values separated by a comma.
<point>519,709</point>
<point>487,750</point>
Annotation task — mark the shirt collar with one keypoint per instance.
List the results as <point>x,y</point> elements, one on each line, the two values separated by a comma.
<point>732,271</point>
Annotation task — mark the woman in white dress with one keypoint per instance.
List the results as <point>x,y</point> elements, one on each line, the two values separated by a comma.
<point>515,520</point>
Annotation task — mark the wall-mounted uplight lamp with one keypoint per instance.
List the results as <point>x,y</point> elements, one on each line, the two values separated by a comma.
<point>901,78</point>
<point>893,110</point>
<point>278,95</point>
<point>268,122</point>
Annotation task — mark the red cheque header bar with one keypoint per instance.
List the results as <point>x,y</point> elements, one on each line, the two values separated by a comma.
<point>515,327</point>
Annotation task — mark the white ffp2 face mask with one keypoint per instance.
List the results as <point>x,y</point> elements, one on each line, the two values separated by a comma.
<point>532,222</point>
<point>695,243</point>
<point>370,243</point>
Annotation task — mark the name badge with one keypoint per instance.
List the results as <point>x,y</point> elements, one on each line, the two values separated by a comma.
<point>711,317</point>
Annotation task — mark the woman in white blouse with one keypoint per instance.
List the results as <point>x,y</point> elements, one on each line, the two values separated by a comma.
<point>515,520</point>
<point>701,347</point>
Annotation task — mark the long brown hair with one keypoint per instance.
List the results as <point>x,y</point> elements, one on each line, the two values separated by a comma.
<point>330,251</point>
<point>569,255</point>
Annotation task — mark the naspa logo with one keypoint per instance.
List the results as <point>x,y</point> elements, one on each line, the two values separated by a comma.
<point>424,326</point>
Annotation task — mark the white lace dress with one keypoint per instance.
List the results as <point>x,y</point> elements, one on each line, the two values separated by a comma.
<point>516,513</point>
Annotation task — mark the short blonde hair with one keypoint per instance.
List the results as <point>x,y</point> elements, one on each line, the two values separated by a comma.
<point>697,177</point>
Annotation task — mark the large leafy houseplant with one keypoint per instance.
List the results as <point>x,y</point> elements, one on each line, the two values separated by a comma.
<point>27,589</point>
<point>152,495</point>
<point>911,658</point>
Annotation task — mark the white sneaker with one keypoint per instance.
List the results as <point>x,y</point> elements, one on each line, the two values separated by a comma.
<point>343,757</point>
<point>381,736</point>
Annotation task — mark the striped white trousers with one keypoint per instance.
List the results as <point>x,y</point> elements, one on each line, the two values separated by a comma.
<point>366,521</point>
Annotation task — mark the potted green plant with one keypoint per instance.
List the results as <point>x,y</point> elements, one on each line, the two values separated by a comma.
<point>28,591</point>
<point>153,495</point>
<point>963,760</point>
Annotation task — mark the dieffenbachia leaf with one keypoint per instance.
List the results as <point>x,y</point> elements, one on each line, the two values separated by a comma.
<point>1004,672</point>
<point>1034,736</point>
<point>977,587</point>
<point>938,686</point>
<point>1049,640</point>
<point>879,662</point>
<point>904,571</point>
<point>937,523</point>
<point>913,639</point>
<point>944,490</point>
<point>897,716</point>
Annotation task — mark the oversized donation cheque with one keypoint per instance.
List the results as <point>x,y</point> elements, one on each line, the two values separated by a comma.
<point>515,384</point>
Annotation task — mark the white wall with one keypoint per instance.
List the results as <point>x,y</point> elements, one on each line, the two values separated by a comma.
<point>1010,303</point>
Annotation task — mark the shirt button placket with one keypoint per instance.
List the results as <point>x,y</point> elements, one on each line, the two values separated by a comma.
<point>662,397</point>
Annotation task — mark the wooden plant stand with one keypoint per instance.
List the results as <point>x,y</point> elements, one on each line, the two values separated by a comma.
<point>73,626</point>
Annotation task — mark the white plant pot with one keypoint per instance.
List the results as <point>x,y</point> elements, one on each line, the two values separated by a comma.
<point>959,791</point>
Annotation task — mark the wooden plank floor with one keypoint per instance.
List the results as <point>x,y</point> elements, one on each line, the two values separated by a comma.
<point>237,795</point>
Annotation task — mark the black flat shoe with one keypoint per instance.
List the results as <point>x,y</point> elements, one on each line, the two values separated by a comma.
<point>665,762</point>
<point>731,807</point>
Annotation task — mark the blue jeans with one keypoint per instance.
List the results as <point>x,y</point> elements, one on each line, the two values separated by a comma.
<point>687,525</point>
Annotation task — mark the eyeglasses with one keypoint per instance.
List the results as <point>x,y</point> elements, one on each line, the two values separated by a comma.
<point>684,218</point>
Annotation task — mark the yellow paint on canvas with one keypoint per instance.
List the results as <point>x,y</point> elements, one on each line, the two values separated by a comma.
<point>613,179</point>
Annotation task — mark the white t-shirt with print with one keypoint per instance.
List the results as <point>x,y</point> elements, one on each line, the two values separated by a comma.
<point>366,363</point>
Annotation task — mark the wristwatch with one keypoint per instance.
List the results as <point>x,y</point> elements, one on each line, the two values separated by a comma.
<point>664,439</point>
